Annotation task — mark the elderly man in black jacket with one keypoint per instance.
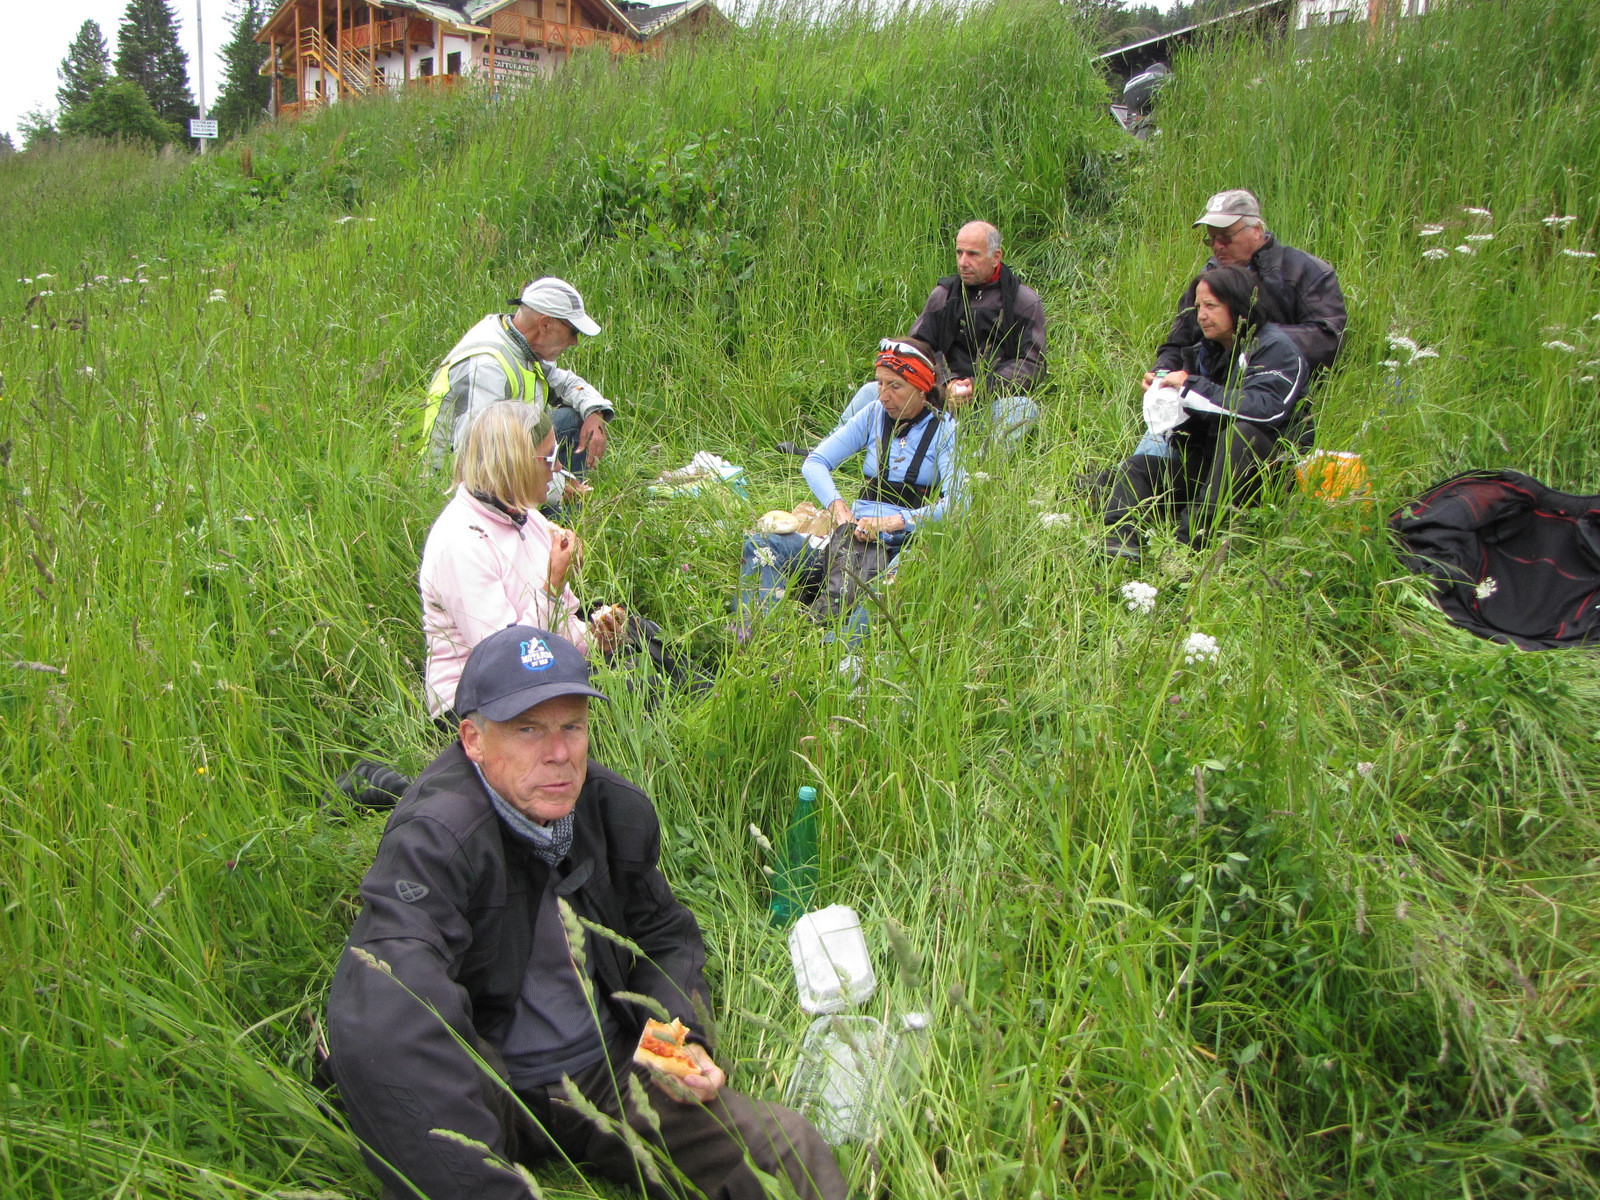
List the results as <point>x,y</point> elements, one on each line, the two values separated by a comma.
<point>514,916</point>
<point>1303,288</point>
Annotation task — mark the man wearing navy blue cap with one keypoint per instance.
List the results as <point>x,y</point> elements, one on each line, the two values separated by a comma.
<point>469,971</point>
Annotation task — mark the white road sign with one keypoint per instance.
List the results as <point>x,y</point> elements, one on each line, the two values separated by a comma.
<point>202,129</point>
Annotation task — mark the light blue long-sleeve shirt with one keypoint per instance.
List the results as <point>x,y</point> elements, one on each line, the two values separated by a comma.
<point>863,432</point>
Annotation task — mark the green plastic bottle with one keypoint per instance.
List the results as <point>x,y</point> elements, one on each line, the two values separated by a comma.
<point>794,887</point>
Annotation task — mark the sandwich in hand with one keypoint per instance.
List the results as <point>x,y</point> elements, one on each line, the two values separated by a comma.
<point>661,1048</point>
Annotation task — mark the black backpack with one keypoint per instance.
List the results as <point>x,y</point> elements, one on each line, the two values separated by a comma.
<point>1514,561</point>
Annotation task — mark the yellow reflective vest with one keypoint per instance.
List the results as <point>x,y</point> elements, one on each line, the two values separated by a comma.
<point>488,337</point>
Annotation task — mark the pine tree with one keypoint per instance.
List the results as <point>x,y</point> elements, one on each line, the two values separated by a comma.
<point>148,54</point>
<point>5,145</point>
<point>245,92</point>
<point>86,66</point>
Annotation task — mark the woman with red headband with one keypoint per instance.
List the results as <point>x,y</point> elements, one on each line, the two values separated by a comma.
<point>910,447</point>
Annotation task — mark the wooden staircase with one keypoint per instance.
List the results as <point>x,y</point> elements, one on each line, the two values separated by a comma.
<point>352,71</point>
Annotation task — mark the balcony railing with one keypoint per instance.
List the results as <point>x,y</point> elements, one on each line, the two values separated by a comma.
<point>388,34</point>
<point>556,35</point>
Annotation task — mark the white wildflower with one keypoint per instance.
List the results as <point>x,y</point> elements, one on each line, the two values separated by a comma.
<point>46,292</point>
<point>759,838</point>
<point>1586,379</point>
<point>1571,253</point>
<point>1430,231</point>
<point>1425,352</point>
<point>1562,346</point>
<point>89,371</point>
<point>102,279</point>
<point>1480,237</point>
<point>1141,597</point>
<point>124,279</point>
<point>342,220</point>
<point>44,275</point>
<point>766,556</point>
<point>26,279</point>
<point>1559,222</point>
<point>218,296</point>
<point>1487,588</point>
<point>1478,212</point>
<point>978,476</point>
<point>1365,769</point>
<point>31,326</point>
<point>1402,343</point>
<point>198,418</point>
<point>1390,363</point>
<point>1199,648</point>
<point>1466,249</point>
<point>1436,253</point>
<point>1050,520</point>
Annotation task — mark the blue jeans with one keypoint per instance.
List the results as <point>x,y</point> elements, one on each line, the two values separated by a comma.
<point>1010,417</point>
<point>568,423</point>
<point>773,562</point>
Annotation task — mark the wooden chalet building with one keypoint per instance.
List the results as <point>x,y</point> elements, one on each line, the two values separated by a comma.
<point>322,51</point>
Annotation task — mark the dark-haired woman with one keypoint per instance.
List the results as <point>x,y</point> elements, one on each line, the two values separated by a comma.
<point>910,479</point>
<point>1239,387</point>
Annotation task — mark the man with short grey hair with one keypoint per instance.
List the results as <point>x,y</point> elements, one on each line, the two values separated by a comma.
<point>513,357</point>
<point>1305,289</point>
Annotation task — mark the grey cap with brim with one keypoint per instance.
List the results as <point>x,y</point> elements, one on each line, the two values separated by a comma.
<point>557,298</point>
<point>516,668</point>
<point>1225,208</point>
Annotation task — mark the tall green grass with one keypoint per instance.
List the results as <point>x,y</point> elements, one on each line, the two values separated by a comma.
<point>1315,918</point>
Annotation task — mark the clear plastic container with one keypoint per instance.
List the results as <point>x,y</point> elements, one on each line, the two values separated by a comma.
<point>832,970</point>
<point>851,1068</point>
<point>842,1071</point>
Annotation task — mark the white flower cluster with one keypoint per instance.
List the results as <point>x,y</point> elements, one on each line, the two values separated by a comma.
<point>1566,347</point>
<point>1141,597</point>
<point>1559,222</point>
<point>1430,231</point>
<point>1199,648</point>
<point>1571,253</point>
<point>1399,341</point>
<point>1436,253</point>
<point>218,296</point>
<point>1050,520</point>
<point>1487,588</point>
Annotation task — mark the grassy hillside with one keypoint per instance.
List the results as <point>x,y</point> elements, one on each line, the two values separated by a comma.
<point>1316,918</point>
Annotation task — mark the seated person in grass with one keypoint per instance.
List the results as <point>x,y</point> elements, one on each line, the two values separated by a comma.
<point>1303,289</point>
<point>1239,384</point>
<point>513,357</point>
<point>492,559</point>
<point>990,328</point>
<point>515,932</point>
<point>909,442</point>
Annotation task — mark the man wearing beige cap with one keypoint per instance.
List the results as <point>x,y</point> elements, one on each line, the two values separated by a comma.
<point>1305,288</point>
<point>512,356</point>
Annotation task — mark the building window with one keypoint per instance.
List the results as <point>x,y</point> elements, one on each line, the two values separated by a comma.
<point>425,67</point>
<point>452,63</point>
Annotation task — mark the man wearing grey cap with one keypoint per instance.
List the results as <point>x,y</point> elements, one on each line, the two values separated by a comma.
<point>515,932</point>
<point>512,356</point>
<point>1305,288</point>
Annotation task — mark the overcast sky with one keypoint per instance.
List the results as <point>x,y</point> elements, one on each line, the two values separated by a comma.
<point>39,35</point>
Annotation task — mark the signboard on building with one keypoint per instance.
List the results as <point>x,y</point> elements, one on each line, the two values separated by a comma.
<point>517,66</point>
<point>202,129</point>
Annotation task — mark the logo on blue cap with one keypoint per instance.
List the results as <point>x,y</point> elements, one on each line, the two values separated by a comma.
<point>536,656</point>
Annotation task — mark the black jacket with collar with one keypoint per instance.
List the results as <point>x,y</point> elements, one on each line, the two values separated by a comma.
<point>451,901</point>
<point>1309,300</point>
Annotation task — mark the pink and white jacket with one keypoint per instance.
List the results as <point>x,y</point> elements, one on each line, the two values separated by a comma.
<point>480,573</point>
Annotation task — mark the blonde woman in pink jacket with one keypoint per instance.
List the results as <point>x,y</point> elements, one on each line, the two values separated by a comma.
<point>493,560</point>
